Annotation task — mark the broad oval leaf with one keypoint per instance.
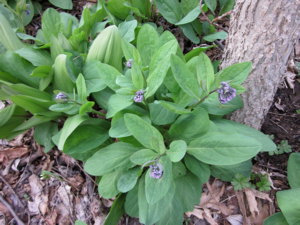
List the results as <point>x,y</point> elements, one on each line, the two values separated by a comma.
<point>143,156</point>
<point>190,17</point>
<point>128,180</point>
<point>159,66</point>
<point>289,203</point>
<point>110,158</point>
<point>145,133</point>
<point>177,150</point>
<point>224,149</point>
<point>293,170</point>
<point>156,189</point>
<point>185,78</point>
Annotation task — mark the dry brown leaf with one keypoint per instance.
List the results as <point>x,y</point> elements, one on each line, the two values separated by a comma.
<point>208,217</point>
<point>235,219</point>
<point>290,79</point>
<point>252,203</point>
<point>40,200</point>
<point>9,154</point>
<point>196,212</point>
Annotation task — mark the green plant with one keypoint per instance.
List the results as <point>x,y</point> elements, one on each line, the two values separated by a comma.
<point>282,147</point>
<point>260,181</point>
<point>20,12</point>
<point>144,118</point>
<point>289,200</point>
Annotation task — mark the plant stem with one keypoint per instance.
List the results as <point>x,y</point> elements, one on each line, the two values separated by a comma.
<point>202,99</point>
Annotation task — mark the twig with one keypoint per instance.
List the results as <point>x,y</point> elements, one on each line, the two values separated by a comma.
<point>222,16</point>
<point>7,205</point>
<point>10,187</point>
<point>279,126</point>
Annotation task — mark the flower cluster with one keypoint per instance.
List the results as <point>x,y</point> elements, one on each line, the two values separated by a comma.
<point>139,96</point>
<point>128,64</point>
<point>61,96</point>
<point>156,171</point>
<point>226,93</point>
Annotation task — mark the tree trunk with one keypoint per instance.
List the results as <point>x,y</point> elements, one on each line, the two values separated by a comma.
<point>263,32</point>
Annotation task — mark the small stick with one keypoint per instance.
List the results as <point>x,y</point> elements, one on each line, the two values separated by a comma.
<point>10,187</point>
<point>222,16</point>
<point>7,205</point>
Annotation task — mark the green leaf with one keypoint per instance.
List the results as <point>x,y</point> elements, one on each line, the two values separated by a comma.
<point>190,126</point>
<point>51,23</point>
<point>177,150</point>
<point>107,187</point>
<point>19,68</point>
<point>33,121</point>
<point>43,134</point>
<point>31,104</point>
<point>211,4</point>
<point>227,173</point>
<point>131,203</point>
<point>67,108</point>
<point>137,76</point>
<point>170,10</point>
<point>118,102</point>
<point>110,158</point>
<point>143,156</point>
<point>116,211</point>
<point>81,88</point>
<point>224,149</point>
<point>6,114</point>
<point>190,17</point>
<point>8,38</point>
<point>145,133</point>
<point>227,6</point>
<point>126,29</point>
<point>159,66</point>
<point>200,169</point>
<point>150,214</point>
<point>216,36</point>
<point>65,4</point>
<point>185,78</point>
<point>276,219</point>
<point>173,107</point>
<point>70,125</point>
<point>86,107</point>
<point>293,170</point>
<point>159,115</point>
<point>128,180</point>
<point>235,74</point>
<point>79,222</point>
<point>190,33</point>
<point>147,41</point>
<point>205,72</point>
<point>86,137</point>
<point>289,203</point>
<point>234,127</point>
<point>99,75</point>
<point>156,189</point>
<point>35,56</point>
<point>41,71</point>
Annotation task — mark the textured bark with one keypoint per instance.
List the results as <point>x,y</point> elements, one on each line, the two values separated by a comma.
<point>263,32</point>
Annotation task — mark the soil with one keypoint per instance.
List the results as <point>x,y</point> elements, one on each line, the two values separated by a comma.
<point>40,188</point>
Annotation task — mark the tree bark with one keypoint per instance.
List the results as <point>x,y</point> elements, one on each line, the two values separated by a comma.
<point>263,32</point>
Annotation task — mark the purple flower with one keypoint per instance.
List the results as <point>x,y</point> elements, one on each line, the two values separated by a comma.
<point>128,64</point>
<point>139,96</point>
<point>61,96</point>
<point>226,93</point>
<point>156,171</point>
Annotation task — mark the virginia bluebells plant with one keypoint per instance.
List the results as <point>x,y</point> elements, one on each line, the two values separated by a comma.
<point>226,93</point>
<point>139,96</point>
<point>156,171</point>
